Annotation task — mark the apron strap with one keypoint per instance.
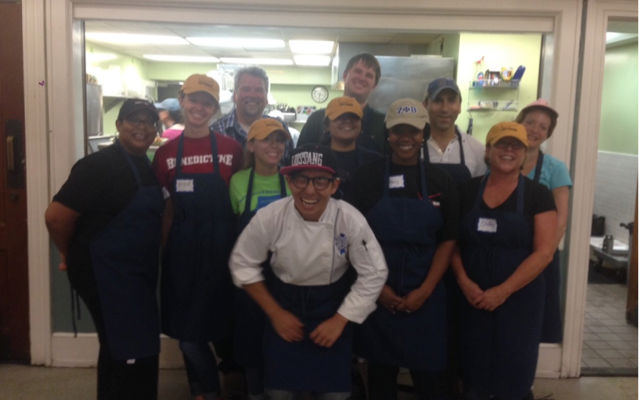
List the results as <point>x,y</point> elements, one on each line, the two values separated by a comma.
<point>134,170</point>
<point>247,200</point>
<point>179,154</point>
<point>421,172</point>
<point>427,135</point>
<point>214,153</point>
<point>519,193</point>
<point>283,186</point>
<point>536,176</point>
<point>462,162</point>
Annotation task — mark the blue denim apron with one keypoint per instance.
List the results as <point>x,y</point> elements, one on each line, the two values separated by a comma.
<point>407,231</point>
<point>552,322</point>
<point>499,349</point>
<point>249,318</point>
<point>305,366</point>
<point>125,262</point>
<point>197,292</point>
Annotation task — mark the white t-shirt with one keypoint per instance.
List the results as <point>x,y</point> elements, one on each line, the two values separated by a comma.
<point>308,253</point>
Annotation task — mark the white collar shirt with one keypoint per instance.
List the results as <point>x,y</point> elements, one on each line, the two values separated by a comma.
<point>473,153</point>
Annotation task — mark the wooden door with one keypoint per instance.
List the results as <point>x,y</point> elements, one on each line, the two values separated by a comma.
<point>14,289</point>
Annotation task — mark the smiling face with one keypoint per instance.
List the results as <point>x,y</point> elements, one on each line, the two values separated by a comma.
<point>311,199</point>
<point>268,152</point>
<point>345,129</point>
<point>537,123</point>
<point>198,108</point>
<point>443,110</point>
<point>250,97</point>
<point>405,142</point>
<point>359,81</point>
<point>506,155</point>
<point>136,132</point>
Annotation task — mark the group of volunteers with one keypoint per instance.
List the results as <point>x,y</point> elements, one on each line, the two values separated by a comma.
<point>380,242</point>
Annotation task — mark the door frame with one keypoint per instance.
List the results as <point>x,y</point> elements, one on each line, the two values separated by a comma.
<point>55,126</point>
<point>585,151</point>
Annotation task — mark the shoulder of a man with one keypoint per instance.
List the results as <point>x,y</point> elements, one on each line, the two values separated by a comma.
<point>473,143</point>
<point>227,144</point>
<point>372,112</point>
<point>221,124</point>
<point>312,129</point>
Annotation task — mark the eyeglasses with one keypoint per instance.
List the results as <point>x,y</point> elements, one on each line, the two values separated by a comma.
<point>319,182</point>
<point>514,145</point>
<point>144,122</point>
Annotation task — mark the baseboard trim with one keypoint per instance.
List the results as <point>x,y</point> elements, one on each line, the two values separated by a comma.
<point>82,351</point>
<point>549,360</point>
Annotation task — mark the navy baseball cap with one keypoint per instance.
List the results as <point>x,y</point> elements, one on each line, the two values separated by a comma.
<point>438,85</point>
<point>311,156</point>
<point>131,106</point>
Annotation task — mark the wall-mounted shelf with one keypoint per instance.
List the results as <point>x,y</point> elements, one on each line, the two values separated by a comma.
<point>490,109</point>
<point>495,84</point>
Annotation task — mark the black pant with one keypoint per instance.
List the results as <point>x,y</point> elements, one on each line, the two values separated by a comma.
<point>117,379</point>
<point>383,383</point>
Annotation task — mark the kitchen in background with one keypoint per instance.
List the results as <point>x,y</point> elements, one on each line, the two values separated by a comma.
<point>121,71</point>
<point>150,60</point>
<point>610,343</point>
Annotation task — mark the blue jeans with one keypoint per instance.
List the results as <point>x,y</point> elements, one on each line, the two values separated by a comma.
<point>202,368</point>
<point>273,394</point>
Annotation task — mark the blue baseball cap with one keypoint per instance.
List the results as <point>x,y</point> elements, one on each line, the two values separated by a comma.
<point>169,104</point>
<point>438,85</point>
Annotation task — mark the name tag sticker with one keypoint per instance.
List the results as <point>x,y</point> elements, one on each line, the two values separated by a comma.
<point>396,182</point>
<point>489,225</point>
<point>184,185</point>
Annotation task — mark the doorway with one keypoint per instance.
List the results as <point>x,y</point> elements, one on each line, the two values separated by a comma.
<point>610,333</point>
<point>14,293</point>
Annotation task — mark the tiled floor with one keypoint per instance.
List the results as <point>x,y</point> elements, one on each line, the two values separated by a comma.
<point>610,344</point>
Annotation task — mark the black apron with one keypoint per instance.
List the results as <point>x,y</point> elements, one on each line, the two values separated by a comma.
<point>499,349</point>
<point>552,322</point>
<point>125,262</point>
<point>249,318</point>
<point>407,231</point>
<point>197,292</point>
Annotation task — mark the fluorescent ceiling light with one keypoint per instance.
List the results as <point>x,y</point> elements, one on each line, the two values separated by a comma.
<point>135,39</point>
<point>311,46</point>
<point>100,57</point>
<point>256,61</point>
<point>312,60</point>
<point>614,37</point>
<point>169,58</point>
<point>234,43</point>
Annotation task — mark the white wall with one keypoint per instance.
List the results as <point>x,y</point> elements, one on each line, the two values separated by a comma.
<point>615,195</point>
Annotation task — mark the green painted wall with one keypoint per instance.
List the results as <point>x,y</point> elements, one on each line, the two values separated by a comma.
<point>619,115</point>
<point>499,50</point>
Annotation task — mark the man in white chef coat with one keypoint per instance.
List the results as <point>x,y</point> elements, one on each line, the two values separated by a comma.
<point>310,294</point>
